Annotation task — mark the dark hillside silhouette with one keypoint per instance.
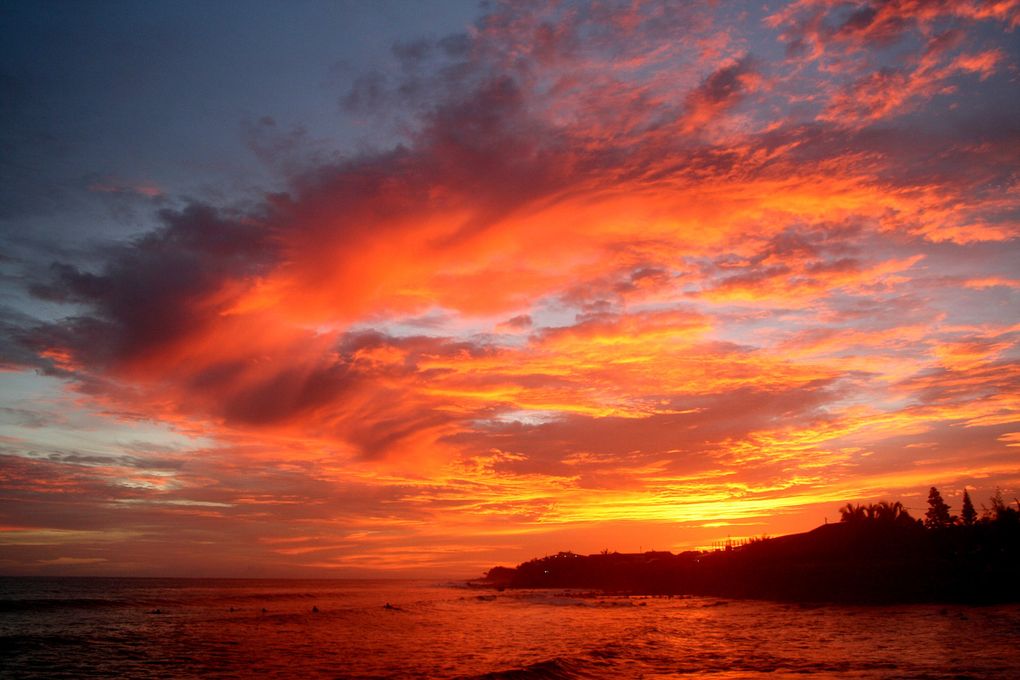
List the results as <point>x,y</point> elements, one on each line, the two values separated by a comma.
<point>876,554</point>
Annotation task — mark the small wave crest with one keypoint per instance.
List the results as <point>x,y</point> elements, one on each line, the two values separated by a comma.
<point>559,668</point>
<point>48,604</point>
<point>23,643</point>
<point>263,597</point>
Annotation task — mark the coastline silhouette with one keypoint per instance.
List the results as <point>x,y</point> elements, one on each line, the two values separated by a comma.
<point>876,553</point>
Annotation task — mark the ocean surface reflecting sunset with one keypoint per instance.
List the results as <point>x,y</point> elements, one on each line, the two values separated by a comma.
<point>90,628</point>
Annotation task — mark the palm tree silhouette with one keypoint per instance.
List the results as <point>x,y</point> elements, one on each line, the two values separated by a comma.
<point>852,513</point>
<point>883,511</point>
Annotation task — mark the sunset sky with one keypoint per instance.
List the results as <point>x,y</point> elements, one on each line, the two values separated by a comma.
<point>398,288</point>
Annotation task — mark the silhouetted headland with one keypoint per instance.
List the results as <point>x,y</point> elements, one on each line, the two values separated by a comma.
<point>876,554</point>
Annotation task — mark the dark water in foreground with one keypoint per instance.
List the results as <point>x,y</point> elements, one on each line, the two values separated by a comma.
<point>87,628</point>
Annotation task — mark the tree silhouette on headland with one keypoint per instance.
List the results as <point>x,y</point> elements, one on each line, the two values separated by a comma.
<point>968,514</point>
<point>884,511</point>
<point>937,516</point>
<point>852,513</point>
<point>1001,511</point>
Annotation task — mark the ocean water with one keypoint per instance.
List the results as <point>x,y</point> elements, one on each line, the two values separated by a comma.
<point>109,628</point>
